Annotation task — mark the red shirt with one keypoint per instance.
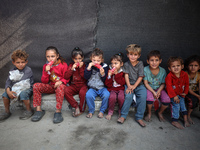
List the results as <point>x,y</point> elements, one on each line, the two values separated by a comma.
<point>115,82</point>
<point>55,74</point>
<point>176,86</point>
<point>77,76</point>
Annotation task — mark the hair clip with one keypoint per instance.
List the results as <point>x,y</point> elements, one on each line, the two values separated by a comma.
<point>77,48</point>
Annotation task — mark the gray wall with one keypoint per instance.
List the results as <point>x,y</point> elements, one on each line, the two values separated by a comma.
<point>171,26</point>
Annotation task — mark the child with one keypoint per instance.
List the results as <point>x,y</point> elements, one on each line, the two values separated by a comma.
<point>134,73</point>
<point>52,82</point>
<point>177,86</point>
<point>154,81</point>
<point>78,85</point>
<point>115,82</point>
<point>96,72</point>
<point>21,73</point>
<point>192,65</point>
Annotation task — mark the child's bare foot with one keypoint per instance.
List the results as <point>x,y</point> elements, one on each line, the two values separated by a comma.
<point>147,118</point>
<point>119,115</point>
<point>161,118</point>
<point>186,124</point>
<point>190,120</point>
<point>141,123</point>
<point>89,115</point>
<point>108,117</point>
<point>121,120</point>
<point>77,112</point>
<point>178,125</point>
<point>100,115</point>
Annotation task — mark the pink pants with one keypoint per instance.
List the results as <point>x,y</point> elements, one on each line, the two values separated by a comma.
<point>39,88</point>
<point>164,98</point>
<point>115,96</point>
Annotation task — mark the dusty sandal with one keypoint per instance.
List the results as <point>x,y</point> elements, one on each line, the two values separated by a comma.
<point>57,117</point>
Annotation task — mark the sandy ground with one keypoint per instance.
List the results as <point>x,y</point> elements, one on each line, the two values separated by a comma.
<point>96,134</point>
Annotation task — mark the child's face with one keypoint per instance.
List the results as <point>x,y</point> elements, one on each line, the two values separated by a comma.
<point>154,62</point>
<point>51,55</point>
<point>117,64</point>
<point>20,63</point>
<point>133,56</point>
<point>193,67</point>
<point>176,67</point>
<point>77,58</point>
<point>97,60</point>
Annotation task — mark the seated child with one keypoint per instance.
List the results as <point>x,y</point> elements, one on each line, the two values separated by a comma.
<point>177,86</point>
<point>115,83</point>
<point>192,65</point>
<point>154,81</point>
<point>96,72</point>
<point>77,85</point>
<point>134,73</point>
<point>24,73</point>
<point>52,82</point>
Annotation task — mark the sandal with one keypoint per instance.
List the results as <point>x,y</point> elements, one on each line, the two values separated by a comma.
<point>57,117</point>
<point>120,120</point>
<point>38,115</point>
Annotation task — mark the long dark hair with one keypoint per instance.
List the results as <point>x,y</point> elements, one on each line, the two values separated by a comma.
<point>56,50</point>
<point>119,57</point>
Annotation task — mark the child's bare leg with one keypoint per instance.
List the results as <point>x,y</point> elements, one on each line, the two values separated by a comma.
<point>109,116</point>
<point>177,124</point>
<point>58,110</point>
<point>189,116</point>
<point>6,102</point>
<point>27,104</point>
<point>38,108</point>
<point>89,115</point>
<point>160,113</point>
<point>148,116</point>
<point>186,123</point>
<point>100,115</point>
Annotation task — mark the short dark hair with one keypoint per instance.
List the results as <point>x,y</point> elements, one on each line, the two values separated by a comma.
<point>97,52</point>
<point>77,51</point>
<point>173,59</point>
<point>119,57</point>
<point>154,53</point>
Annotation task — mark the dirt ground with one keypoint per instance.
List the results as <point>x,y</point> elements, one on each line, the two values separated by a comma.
<point>82,133</point>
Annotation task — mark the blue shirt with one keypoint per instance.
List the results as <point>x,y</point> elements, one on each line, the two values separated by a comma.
<point>154,80</point>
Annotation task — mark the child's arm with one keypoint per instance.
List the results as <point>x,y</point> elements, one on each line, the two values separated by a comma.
<point>119,78</point>
<point>69,72</point>
<point>193,93</point>
<point>88,71</point>
<point>10,93</point>
<point>109,80</point>
<point>186,88</point>
<point>132,87</point>
<point>104,72</point>
<point>45,75</point>
<point>162,86</point>
<point>150,89</point>
<point>82,68</point>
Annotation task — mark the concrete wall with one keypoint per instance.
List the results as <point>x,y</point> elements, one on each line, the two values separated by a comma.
<point>173,27</point>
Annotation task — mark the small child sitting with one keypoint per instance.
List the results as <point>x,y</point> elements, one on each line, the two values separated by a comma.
<point>19,60</point>
<point>177,86</point>
<point>96,72</point>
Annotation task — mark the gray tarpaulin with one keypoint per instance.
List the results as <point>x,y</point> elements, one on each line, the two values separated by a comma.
<point>173,27</point>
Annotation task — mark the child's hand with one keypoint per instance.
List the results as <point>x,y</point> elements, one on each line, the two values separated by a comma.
<point>109,73</point>
<point>176,99</point>
<point>128,91</point>
<point>102,72</point>
<point>90,65</point>
<point>57,84</point>
<point>47,68</point>
<point>12,94</point>
<point>183,94</point>
<point>75,65</point>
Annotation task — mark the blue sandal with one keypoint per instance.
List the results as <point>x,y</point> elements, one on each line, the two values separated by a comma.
<point>57,117</point>
<point>38,115</point>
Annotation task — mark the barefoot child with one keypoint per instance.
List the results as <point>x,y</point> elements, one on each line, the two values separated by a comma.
<point>192,65</point>
<point>134,73</point>
<point>19,60</point>
<point>52,82</point>
<point>115,83</point>
<point>77,85</point>
<point>154,81</point>
<point>177,86</point>
<point>96,72</point>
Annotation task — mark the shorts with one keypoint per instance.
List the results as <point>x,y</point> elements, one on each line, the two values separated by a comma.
<point>164,98</point>
<point>24,95</point>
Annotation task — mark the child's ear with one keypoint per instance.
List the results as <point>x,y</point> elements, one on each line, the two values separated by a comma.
<point>169,68</point>
<point>160,61</point>
<point>122,64</point>
<point>147,61</point>
<point>13,62</point>
<point>182,66</point>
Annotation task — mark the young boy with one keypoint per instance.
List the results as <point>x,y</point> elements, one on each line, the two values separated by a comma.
<point>177,86</point>
<point>154,81</point>
<point>134,73</point>
<point>19,60</point>
<point>96,72</point>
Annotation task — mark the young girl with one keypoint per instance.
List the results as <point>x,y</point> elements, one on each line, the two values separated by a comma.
<point>52,82</point>
<point>115,84</point>
<point>192,65</point>
<point>75,74</point>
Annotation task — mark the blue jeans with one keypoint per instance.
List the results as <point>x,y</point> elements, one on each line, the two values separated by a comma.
<point>141,95</point>
<point>92,94</point>
<point>176,108</point>
<point>24,95</point>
